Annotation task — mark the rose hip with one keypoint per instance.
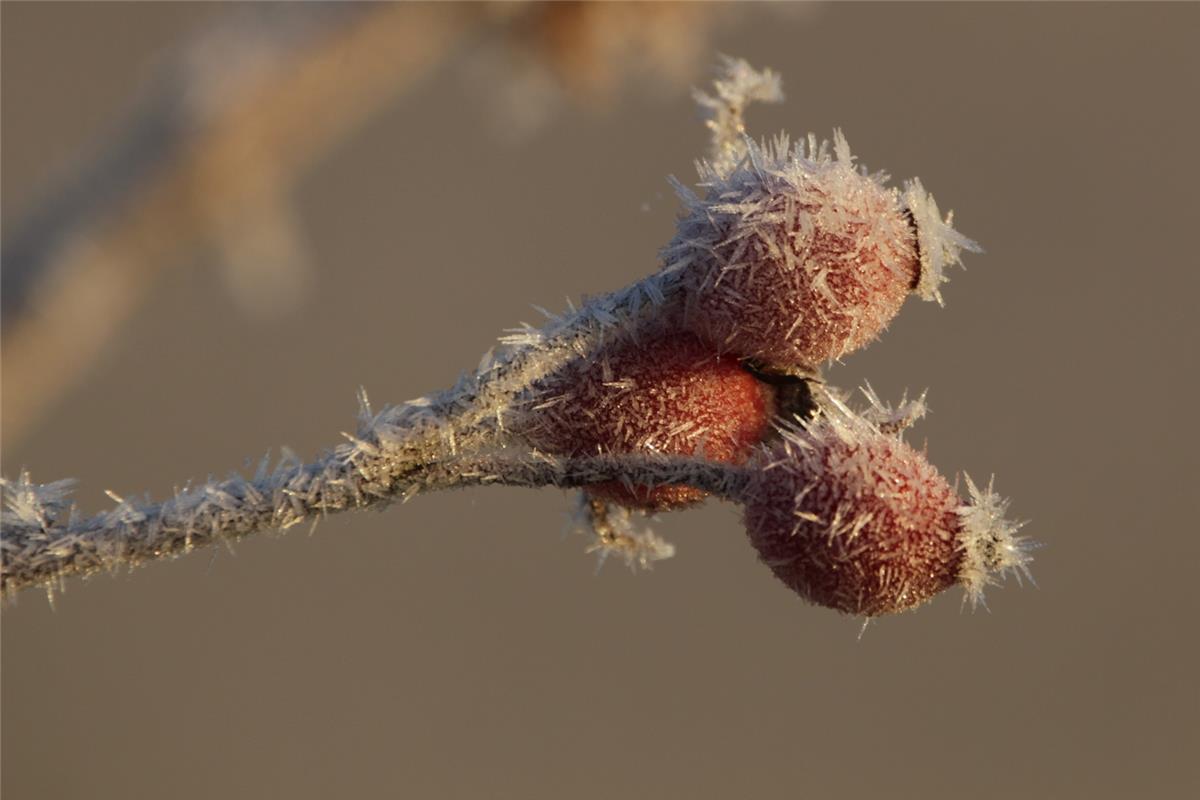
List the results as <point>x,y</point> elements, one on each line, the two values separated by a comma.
<point>673,395</point>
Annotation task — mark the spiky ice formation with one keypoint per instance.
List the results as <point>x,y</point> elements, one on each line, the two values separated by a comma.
<point>672,395</point>
<point>796,256</point>
<point>856,520</point>
<point>938,244</point>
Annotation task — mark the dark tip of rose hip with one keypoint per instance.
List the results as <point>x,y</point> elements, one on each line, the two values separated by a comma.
<point>916,273</point>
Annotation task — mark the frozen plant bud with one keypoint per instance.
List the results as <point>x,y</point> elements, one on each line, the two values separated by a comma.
<point>796,256</point>
<point>857,520</point>
<point>672,395</point>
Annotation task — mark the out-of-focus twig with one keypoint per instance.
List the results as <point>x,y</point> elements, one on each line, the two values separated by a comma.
<point>589,50</point>
<point>210,153</point>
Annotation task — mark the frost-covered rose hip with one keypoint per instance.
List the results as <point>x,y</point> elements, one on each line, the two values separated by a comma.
<point>796,256</point>
<point>857,520</point>
<point>672,395</point>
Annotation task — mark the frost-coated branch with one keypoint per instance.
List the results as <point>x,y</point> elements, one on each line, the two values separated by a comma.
<point>418,446</point>
<point>541,469</point>
<point>44,541</point>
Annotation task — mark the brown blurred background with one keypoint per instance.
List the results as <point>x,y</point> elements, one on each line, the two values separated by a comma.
<point>459,646</point>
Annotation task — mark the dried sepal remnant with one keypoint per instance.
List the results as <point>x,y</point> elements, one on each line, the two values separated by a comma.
<point>736,86</point>
<point>939,245</point>
<point>990,547</point>
<point>672,394</point>
<point>617,532</point>
<point>853,518</point>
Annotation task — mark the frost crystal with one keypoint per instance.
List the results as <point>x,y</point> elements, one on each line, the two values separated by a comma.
<point>893,419</point>
<point>32,505</point>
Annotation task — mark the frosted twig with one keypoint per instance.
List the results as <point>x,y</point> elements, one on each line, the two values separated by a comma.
<point>889,419</point>
<point>43,541</point>
<point>737,85</point>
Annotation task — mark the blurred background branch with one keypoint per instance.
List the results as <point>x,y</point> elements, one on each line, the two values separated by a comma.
<point>211,151</point>
<point>209,154</point>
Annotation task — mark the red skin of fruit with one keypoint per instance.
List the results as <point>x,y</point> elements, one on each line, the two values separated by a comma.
<point>755,312</point>
<point>800,516</point>
<point>672,395</point>
<point>794,271</point>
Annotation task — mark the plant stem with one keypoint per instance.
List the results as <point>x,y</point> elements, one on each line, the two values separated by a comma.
<point>42,543</point>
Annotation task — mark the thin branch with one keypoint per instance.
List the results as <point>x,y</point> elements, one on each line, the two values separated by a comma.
<point>43,541</point>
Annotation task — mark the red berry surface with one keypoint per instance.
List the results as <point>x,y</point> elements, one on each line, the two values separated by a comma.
<point>855,520</point>
<point>795,261</point>
<point>671,395</point>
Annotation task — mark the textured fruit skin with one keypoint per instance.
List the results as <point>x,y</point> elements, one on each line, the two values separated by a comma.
<point>795,262</point>
<point>855,520</point>
<point>672,394</point>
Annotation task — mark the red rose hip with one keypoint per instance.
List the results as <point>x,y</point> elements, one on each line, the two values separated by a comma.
<point>857,520</point>
<point>795,256</point>
<point>673,395</point>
